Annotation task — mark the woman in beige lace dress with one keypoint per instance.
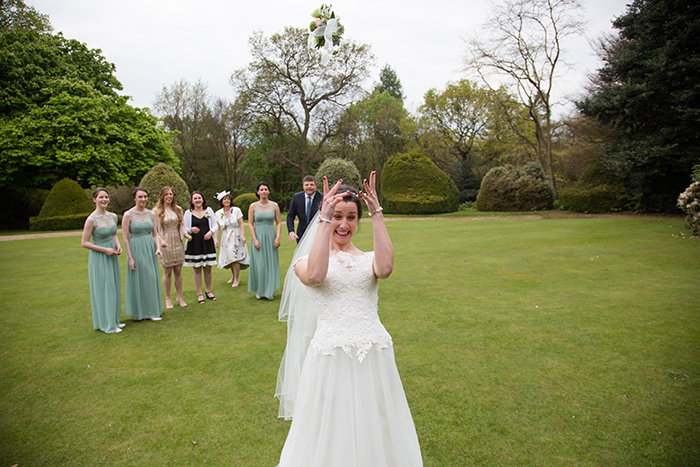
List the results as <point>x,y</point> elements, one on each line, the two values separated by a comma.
<point>171,230</point>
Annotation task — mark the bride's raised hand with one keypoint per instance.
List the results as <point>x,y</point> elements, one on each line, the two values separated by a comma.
<point>331,197</point>
<point>370,193</point>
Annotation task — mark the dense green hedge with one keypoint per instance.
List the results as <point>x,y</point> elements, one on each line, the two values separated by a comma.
<point>335,169</point>
<point>593,199</point>
<point>66,198</point>
<point>69,222</point>
<point>163,175</point>
<point>412,184</point>
<point>244,201</point>
<point>508,188</point>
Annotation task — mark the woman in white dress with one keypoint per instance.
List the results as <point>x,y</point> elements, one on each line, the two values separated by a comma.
<point>233,253</point>
<point>342,387</point>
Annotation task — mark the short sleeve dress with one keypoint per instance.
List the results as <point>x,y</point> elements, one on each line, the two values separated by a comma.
<point>232,250</point>
<point>172,230</point>
<point>105,276</point>
<point>142,295</point>
<point>264,276</point>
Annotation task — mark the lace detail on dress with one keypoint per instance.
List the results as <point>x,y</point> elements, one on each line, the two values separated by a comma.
<point>267,208</point>
<point>347,308</point>
<point>141,216</point>
<point>108,221</point>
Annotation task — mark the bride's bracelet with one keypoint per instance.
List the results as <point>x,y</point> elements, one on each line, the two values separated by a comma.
<point>379,209</point>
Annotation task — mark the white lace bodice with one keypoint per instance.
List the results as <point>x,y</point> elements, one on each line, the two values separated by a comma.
<point>346,303</point>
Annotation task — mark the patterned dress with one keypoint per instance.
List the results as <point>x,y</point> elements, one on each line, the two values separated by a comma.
<point>105,276</point>
<point>172,231</point>
<point>232,250</point>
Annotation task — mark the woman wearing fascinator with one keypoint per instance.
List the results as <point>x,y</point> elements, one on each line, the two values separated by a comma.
<point>233,254</point>
<point>338,380</point>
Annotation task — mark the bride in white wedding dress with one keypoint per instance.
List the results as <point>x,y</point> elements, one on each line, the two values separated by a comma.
<point>338,379</point>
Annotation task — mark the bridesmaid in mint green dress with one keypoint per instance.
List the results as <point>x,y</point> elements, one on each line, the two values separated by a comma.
<point>265,227</point>
<point>103,264</point>
<point>142,295</point>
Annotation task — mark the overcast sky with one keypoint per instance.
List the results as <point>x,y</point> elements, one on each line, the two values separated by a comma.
<point>155,43</point>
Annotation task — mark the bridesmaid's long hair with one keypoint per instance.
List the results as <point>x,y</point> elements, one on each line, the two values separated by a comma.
<point>159,208</point>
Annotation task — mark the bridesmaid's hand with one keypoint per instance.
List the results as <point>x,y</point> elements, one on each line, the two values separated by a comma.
<point>188,237</point>
<point>132,264</point>
<point>276,243</point>
<point>118,250</point>
<point>195,230</point>
<point>110,251</point>
<point>158,252</point>
<point>243,239</point>
<point>163,244</point>
<point>216,243</point>
<point>256,244</point>
<point>207,235</point>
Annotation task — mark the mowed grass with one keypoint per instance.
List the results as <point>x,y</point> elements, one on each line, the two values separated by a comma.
<point>520,342</point>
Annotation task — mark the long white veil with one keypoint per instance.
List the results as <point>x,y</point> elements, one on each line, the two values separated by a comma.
<point>298,311</point>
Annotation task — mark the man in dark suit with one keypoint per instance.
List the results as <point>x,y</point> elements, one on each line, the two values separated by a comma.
<point>304,206</point>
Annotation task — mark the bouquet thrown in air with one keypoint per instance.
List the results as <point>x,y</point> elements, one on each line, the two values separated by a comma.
<point>326,32</point>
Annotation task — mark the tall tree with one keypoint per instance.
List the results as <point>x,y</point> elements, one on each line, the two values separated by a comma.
<point>17,15</point>
<point>370,131</point>
<point>649,90</point>
<point>287,87</point>
<point>184,109</point>
<point>522,40</point>
<point>61,116</point>
<point>390,83</point>
<point>466,129</point>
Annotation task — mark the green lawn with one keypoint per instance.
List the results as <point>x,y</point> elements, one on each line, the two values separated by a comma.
<point>520,342</point>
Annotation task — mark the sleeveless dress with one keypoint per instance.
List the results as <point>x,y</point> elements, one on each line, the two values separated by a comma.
<point>142,295</point>
<point>105,277</point>
<point>200,252</point>
<point>351,410</point>
<point>232,250</point>
<point>172,231</point>
<point>264,276</point>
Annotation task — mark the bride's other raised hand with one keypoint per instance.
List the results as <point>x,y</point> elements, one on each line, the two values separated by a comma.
<point>370,193</point>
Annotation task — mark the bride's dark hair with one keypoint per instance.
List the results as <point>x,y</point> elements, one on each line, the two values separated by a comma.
<point>352,197</point>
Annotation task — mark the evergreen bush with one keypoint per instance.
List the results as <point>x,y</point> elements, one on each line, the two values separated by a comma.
<point>18,205</point>
<point>69,222</point>
<point>593,199</point>
<point>121,199</point>
<point>66,198</point>
<point>508,188</point>
<point>412,184</point>
<point>596,192</point>
<point>335,169</point>
<point>244,201</point>
<point>163,175</point>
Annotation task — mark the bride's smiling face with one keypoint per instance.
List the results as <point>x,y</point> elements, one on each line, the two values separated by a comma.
<point>344,222</point>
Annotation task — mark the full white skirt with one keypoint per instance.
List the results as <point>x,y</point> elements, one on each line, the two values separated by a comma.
<point>351,414</point>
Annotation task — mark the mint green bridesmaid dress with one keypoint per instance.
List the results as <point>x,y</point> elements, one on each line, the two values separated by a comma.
<point>142,294</point>
<point>105,277</point>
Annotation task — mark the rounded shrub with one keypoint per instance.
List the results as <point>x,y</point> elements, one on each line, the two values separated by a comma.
<point>244,201</point>
<point>163,175</point>
<point>66,198</point>
<point>509,188</point>
<point>335,169</point>
<point>412,184</point>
